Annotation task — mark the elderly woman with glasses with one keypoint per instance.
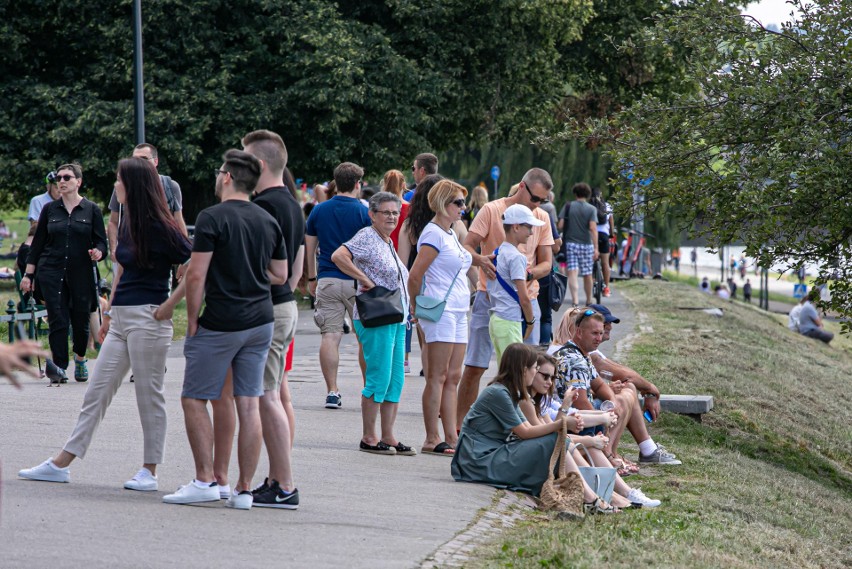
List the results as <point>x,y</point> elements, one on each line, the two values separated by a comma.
<point>69,239</point>
<point>370,258</point>
<point>441,272</point>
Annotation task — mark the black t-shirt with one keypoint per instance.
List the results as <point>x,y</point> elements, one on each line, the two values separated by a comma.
<point>243,239</point>
<point>281,205</point>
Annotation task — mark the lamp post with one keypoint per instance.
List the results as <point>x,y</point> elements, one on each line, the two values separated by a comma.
<point>138,87</point>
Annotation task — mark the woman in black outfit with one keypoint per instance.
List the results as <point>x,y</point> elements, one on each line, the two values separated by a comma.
<point>69,239</point>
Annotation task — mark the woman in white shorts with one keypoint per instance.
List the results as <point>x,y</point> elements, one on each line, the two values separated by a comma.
<point>441,272</point>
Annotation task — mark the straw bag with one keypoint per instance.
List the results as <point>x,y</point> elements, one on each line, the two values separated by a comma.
<point>564,493</point>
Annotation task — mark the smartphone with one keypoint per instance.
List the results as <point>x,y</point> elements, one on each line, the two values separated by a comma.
<point>647,415</point>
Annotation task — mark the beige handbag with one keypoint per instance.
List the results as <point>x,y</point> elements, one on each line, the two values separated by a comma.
<point>563,493</point>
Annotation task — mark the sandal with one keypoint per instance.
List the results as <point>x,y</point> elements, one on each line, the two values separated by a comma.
<point>598,506</point>
<point>624,466</point>
<point>402,449</point>
<point>441,449</point>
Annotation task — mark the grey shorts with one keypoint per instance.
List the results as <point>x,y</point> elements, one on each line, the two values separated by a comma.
<point>286,318</point>
<point>479,346</point>
<point>335,298</point>
<point>209,354</point>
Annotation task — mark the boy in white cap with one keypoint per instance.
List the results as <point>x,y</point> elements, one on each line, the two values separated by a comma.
<point>512,318</point>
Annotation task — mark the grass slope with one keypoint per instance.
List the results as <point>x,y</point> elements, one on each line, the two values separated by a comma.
<point>766,478</point>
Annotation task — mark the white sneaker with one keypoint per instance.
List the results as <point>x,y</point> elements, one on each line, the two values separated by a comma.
<point>241,501</point>
<point>406,367</point>
<point>193,493</point>
<point>636,496</point>
<point>143,481</point>
<point>46,472</point>
<point>224,491</point>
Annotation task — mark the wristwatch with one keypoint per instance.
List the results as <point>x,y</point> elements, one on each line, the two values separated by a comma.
<point>529,276</point>
<point>311,279</point>
<point>531,322</point>
<point>648,395</point>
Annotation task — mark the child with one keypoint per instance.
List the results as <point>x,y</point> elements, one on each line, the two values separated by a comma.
<point>511,309</point>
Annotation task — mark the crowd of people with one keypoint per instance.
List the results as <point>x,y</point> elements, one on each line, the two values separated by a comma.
<point>406,263</point>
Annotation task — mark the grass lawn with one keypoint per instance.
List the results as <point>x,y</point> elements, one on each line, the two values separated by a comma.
<point>767,476</point>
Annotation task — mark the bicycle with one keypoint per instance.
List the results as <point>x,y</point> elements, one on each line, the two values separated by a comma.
<point>597,281</point>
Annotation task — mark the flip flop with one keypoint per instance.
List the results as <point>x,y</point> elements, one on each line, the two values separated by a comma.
<point>441,449</point>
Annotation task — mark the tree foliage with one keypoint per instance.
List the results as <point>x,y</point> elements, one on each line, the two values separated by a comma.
<point>374,82</point>
<point>760,151</point>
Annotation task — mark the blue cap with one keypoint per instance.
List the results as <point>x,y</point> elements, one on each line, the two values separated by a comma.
<point>608,317</point>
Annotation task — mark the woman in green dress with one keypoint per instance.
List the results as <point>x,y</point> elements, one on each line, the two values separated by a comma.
<point>496,445</point>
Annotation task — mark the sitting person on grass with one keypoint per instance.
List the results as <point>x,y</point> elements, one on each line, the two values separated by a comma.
<point>537,411</point>
<point>496,445</point>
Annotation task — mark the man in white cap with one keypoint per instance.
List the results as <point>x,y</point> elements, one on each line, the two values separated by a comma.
<point>512,319</point>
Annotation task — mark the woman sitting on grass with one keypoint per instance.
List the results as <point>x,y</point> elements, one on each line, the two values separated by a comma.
<point>536,409</point>
<point>497,446</point>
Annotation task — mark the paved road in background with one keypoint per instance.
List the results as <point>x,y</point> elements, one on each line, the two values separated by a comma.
<point>357,509</point>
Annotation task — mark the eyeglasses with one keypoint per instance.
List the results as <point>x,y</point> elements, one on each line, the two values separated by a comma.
<point>218,171</point>
<point>547,376</point>
<point>413,168</point>
<point>458,203</point>
<point>583,316</point>
<point>534,198</point>
<point>389,213</point>
<point>65,178</point>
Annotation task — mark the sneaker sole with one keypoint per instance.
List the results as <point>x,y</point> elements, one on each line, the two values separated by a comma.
<point>35,479</point>
<point>333,405</point>
<point>190,502</point>
<point>668,463</point>
<point>277,506</point>
<point>128,487</point>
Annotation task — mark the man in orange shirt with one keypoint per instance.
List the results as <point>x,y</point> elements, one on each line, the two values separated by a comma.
<point>486,233</point>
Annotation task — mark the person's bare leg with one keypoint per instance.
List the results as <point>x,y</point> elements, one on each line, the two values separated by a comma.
<point>625,401</point>
<point>605,267</point>
<point>276,436</point>
<point>63,459</point>
<point>573,286</point>
<point>329,355</point>
<point>287,403</point>
<point>449,395</point>
<point>248,441</point>
<point>468,391</point>
<point>362,363</point>
<point>199,431</point>
<point>587,286</point>
<point>388,411</point>
<point>369,413</point>
<point>439,354</point>
<point>224,427</point>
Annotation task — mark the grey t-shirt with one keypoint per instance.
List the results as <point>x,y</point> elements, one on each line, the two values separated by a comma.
<point>512,266</point>
<point>577,221</point>
<point>808,318</point>
<point>173,185</point>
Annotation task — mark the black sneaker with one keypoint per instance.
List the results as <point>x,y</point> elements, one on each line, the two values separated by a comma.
<point>275,497</point>
<point>262,488</point>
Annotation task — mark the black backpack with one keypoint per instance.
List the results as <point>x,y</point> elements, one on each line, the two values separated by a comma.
<point>600,205</point>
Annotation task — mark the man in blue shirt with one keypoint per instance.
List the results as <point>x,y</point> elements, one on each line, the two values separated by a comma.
<point>810,324</point>
<point>330,224</point>
<point>424,165</point>
<point>37,203</point>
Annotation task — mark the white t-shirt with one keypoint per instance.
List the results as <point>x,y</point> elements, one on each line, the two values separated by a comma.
<point>451,257</point>
<point>512,266</point>
<point>604,227</point>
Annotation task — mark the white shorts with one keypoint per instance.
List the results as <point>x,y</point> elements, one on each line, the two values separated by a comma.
<point>451,328</point>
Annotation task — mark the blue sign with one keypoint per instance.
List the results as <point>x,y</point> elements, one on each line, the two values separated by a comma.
<point>495,173</point>
<point>800,290</point>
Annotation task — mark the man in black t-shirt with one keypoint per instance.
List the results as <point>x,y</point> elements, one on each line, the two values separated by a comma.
<point>276,407</point>
<point>237,254</point>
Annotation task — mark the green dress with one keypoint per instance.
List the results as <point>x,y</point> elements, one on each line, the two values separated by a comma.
<point>487,453</point>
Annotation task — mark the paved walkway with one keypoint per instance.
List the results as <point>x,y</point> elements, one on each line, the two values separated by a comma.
<point>357,510</point>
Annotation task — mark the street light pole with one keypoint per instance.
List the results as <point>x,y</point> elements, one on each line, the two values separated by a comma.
<point>138,87</point>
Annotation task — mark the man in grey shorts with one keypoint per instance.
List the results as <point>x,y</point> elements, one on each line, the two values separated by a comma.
<point>237,254</point>
<point>331,224</point>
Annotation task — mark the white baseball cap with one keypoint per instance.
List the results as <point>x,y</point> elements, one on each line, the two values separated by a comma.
<point>518,214</point>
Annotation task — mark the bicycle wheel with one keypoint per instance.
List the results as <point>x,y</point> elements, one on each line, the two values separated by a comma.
<point>598,282</point>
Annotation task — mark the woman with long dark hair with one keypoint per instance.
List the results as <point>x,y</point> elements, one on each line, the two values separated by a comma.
<point>149,243</point>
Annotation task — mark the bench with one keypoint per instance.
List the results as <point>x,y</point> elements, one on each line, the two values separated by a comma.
<point>690,405</point>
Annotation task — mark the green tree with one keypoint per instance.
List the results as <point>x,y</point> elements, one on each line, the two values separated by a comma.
<point>760,150</point>
<point>374,82</point>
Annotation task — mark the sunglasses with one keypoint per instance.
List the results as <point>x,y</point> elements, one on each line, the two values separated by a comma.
<point>547,376</point>
<point>534,198</point>
<point>65,178</point>
<point>218,171</point>
<point>458,203</point>
<point>583,316</point>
